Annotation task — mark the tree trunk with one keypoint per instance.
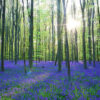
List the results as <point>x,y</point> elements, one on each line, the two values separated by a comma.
<point>38,31</point>
<point>49,54</point>
<point>18,41</point>
<point>2,44</point>
<point>93,34</point>
<point>82,4</point>
<point>89,33</point>
<point>98,36</point>
<point>31,37</point>
<point>71,47</point>
<point>66,42</point>
<point>12,30</point>
<point>16,33</point>
<point>53,36</point>
<point>24,48</point>
<point>76,46</point>
<point>59,33</point>
<point>84,47</point>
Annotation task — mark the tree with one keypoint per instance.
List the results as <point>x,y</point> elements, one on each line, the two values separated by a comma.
<point>75,31</point>
<point>72,46</point>
<point>16,33</point>
<point>89,31</point>
<point>9,35</point>
<point>53,34</point>
<point>98,30</point>
<point>38,50</point>
<point>66,40</point>
<point>82,4</point>
<point>49,47</point>
<point>31,36</point>
<point>13,23</point>
<point>59,33</point>
<point>76,46</point>
<point>93,11</point>
<point>3,30</point>
<point>6,41</point>
<point>24,49</point>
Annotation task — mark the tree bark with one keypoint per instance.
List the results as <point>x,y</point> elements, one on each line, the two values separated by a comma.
<point>16,33</point>
<point>89,32</point>
<point>93,33</point>
<point>76,46</point>
<point>24,48</point>
<point>31,37</point>
<point>82,4</point>
<point>13,25</point>
<point>53,36</point>
<point>66,42</point>
<point>2,44</point>
<point>98,36</point>
<point>59,33</point>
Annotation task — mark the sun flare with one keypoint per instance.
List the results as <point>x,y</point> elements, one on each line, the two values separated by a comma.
<point>72,24</point>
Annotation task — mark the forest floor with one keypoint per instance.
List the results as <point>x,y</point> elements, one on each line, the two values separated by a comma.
<point>45,83</point>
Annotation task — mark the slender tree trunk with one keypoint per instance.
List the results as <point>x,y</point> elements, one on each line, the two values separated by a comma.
<point>18,41</point>
<point>82,4</point>
<point>45,38</point>
<point>49,54</point>
<point>31,37</point>
<point>53,37</point>
<point>76,46</point>
<point>93,34</point>
<point>56,57</point>
<point>16,33</point>
<point>2,44</point>
<point>71,46</point>
<point>66,42</point>
<point>89,33</point>
<point>36,49</point>
<point>39,36</point>
<point>24,48</point>
<point>9,41</point>
<point>84,47</point>
<point>12,30</point>
<point>6,42</point>
<point>59,33</point>
<point>98,36</point>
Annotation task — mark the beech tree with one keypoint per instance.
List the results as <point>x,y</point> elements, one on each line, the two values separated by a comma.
<point>13,26</point>
<point>59,33</point>
<point>82,4</point>
<point>89,30</point>
<point>2,39</point>
<point>53,34</point>
<point>98,30</point>
<point>66,40</point>
<point>31,49</point>
<point>24,48</point>
<point>16,33</point>
<point>93,11</point>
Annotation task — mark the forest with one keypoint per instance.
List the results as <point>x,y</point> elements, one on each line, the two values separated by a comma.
<point>49,49</point>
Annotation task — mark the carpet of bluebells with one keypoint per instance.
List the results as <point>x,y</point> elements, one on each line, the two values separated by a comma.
<point>44,82</point>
